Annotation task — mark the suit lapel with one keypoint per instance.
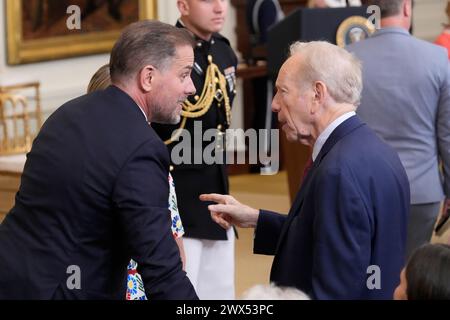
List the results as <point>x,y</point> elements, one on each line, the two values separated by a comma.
<point>298,202</point>
<point>342,130</point>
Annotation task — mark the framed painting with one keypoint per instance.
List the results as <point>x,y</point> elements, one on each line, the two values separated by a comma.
<point>39,30</point>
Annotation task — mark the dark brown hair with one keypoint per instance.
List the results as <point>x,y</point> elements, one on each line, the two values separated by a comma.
<point>428,273</point>
<point>147,42</point>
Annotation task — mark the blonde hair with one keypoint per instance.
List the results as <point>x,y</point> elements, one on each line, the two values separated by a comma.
<point>336,67</point>
<point>100,80</point>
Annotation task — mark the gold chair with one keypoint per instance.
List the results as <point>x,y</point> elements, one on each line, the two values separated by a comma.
<point>20,117</point>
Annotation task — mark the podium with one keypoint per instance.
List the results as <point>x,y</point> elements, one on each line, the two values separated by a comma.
<point>306,24</point>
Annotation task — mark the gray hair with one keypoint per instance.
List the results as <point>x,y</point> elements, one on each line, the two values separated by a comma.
<point>147,42</point>
<point>337,68</point>
<point>273,292</point>
<point>388,8</point>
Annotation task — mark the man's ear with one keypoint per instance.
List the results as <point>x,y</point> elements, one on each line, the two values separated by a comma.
<point>183,7</point>
<point>147,78</point>
<point>407,8</point>
<point>319,91</point>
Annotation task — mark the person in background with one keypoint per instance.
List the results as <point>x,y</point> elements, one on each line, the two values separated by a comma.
<point>408,105</point>
<point>427,274</point>
<point>135,286</point>
<point>209,248</point>
<point>260,16</point>
<point>444,38</point>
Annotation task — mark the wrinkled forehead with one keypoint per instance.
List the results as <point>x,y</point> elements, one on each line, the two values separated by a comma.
<point>290,70</point>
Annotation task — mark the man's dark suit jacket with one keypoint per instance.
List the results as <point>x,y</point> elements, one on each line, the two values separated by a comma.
<point>94,193</point>
<point>348,219</point>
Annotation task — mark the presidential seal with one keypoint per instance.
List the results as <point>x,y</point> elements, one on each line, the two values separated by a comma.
<point>353,29</point>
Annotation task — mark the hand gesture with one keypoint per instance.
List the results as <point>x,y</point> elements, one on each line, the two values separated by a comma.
<point>228,211</point>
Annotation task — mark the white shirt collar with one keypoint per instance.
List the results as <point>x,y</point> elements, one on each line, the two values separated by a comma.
<point>142,110</point>
<point>323,137</point>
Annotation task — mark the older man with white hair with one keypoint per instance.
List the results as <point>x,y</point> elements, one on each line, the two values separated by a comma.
<point>344,237</point>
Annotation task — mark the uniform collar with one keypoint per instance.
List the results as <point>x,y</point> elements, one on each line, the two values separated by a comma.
<point>200,43</point>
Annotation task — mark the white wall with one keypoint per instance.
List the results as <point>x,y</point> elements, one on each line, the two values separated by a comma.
<point>428,18</point>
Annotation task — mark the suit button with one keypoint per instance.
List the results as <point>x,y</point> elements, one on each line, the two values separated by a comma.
<point>219,127</point>
<point>171,168</point>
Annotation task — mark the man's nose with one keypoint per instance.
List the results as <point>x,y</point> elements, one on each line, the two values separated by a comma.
<point>190,88</point>
<point>275,104</point>
<point>219,5</point>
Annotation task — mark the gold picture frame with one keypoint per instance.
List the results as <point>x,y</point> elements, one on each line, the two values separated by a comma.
<point>21,50</point>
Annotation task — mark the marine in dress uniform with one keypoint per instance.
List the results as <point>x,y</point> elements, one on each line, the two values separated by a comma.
<point>214,77</point>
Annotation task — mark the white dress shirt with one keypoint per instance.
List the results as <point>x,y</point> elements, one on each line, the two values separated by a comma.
<point>323,137</point>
